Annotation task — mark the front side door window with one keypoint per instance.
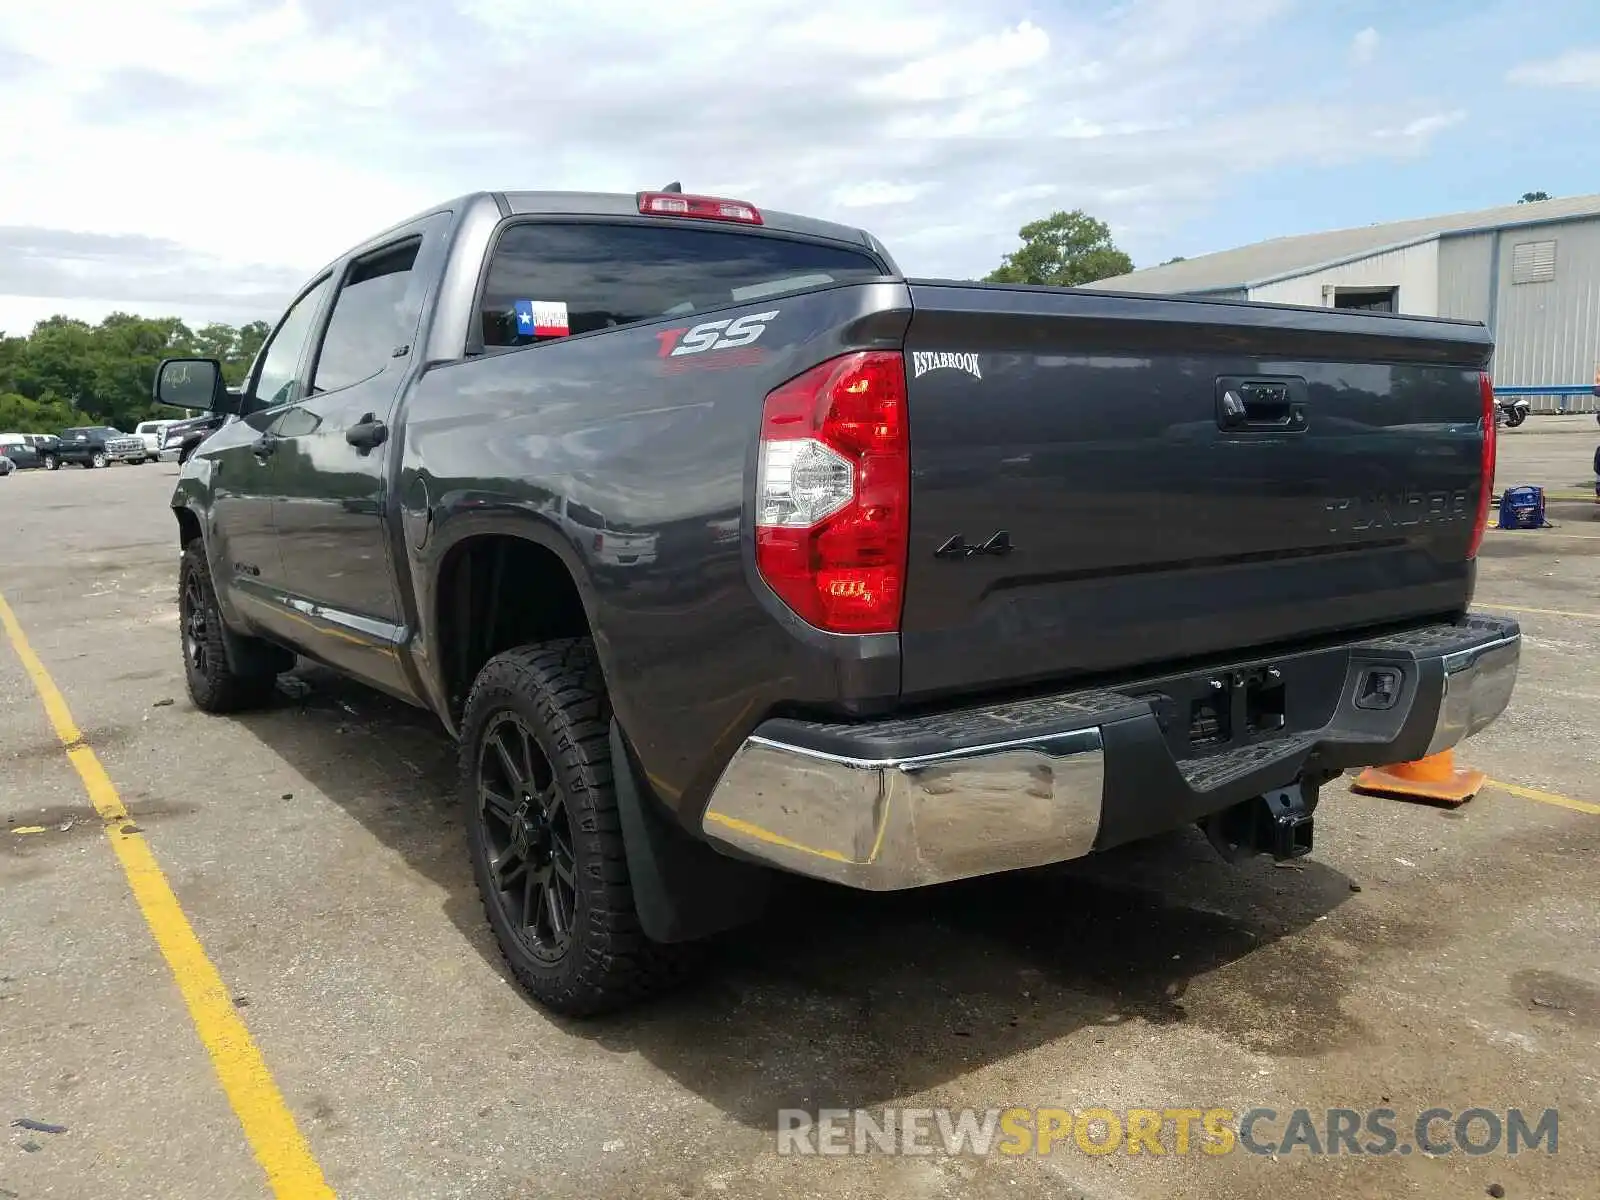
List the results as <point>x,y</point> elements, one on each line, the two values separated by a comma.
<point>373,318</point>
<point>278,379</point>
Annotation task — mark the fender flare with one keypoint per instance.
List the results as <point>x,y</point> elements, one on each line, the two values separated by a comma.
<point>453,523</point>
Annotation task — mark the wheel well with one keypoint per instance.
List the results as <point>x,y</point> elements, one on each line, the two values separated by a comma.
<point>188,526</point>
<point>495,592</point>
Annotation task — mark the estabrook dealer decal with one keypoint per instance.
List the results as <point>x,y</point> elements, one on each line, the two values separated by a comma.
<point>923,361</point>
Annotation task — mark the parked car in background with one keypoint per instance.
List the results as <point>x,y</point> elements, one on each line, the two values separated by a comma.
<point>31,449</point>
<point>6,465</point>
<point>49,447</point>
<point>151,432</point>
<point>101,445</point>
<point>16,448</point>
<point>181,437</point>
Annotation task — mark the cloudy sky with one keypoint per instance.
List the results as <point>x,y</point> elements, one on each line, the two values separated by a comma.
<point>202,157</point>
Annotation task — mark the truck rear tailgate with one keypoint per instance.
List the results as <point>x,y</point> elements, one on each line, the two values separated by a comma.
<point>1175,478</point>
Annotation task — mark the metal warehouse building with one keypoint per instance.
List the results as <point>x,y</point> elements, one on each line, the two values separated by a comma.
<point>1531,272</point>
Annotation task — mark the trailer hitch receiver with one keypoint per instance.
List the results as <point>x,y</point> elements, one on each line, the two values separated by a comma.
<point>1278,823</point>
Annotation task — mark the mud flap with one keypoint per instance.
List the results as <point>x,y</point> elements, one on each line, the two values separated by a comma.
<point>683,890</point>
<point>250,656</point>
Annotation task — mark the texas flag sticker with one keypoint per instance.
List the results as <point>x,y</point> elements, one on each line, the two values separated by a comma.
<point>542,318</point>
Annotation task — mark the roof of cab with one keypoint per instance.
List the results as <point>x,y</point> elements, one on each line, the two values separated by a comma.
<point>618,204</point>
<point>626,204</point>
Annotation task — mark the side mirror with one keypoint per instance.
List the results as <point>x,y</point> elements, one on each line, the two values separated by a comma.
<point>192,383</point>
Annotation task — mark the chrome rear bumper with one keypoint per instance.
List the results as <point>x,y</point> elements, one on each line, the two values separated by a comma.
<point>827,800</point>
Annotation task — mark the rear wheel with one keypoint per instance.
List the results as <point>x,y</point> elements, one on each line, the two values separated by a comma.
<point>1516,417</point>
<point>214,685</point>
<point>51,462</point>
<point>545,837</point>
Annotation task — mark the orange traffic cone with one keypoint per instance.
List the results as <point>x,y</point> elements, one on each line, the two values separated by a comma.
<point>1433,778</point>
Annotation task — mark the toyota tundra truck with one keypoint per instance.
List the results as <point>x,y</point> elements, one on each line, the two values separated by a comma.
<point>726,553</point>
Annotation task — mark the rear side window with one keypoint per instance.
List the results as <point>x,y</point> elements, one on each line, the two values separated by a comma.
<point>375,314</point>
<point>596,276</point>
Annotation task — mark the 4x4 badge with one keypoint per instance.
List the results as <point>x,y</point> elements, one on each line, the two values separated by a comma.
<point>957,547</point>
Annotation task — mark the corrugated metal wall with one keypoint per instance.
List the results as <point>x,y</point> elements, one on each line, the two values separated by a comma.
<point>1549,332</point>
<point>1414,270</point>
<point>1464,276</point>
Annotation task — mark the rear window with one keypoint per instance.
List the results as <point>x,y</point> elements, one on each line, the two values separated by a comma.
<point>596,276</point>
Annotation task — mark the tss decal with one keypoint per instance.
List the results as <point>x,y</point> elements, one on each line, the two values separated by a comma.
<point>714,335</point>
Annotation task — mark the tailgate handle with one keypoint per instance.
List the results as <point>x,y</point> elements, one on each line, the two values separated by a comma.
<point>1260,405</point>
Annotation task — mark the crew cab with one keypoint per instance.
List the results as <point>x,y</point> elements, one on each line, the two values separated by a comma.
<point>100,446</point>
<point>726,551</point>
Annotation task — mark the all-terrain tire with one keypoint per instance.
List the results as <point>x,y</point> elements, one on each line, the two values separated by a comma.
<point>214,685</point>
<point>556,690</point>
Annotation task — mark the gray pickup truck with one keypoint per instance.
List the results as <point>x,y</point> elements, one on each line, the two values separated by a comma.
<point>726,551</point>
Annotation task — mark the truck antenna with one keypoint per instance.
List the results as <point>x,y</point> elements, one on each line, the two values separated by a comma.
<point>674,186</point>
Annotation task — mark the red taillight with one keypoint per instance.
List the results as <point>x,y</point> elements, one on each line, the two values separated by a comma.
<point>708,208</point>
<point>1486,469</point>
<point>833,492</point>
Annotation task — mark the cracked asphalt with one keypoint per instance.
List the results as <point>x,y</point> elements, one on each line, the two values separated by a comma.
<point>1421,957</point>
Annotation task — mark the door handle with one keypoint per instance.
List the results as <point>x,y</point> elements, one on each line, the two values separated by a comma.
<point>1261,406</point>
<point>367,434</point>
<point>264,446</point>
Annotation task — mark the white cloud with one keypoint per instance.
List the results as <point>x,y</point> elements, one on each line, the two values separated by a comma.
<point>970,69</point>
<point>1364,46</point>
<point>1424,126</point>
<point>1575,68</point>
<point>872,193</point>
<point>235,145</point>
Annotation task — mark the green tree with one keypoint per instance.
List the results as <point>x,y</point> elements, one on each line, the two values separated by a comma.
<point>19,414</point>
<point>247,344</point>
<point>1173,259</point>
<point>1532,197</point>
<point>1065,249</point>
<point>69,372</point>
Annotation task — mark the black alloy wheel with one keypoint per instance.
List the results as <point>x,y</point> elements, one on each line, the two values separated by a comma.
<point>539,789</point>
<point>216,683</point>
<point>192,620</point>
<point>528,833</point>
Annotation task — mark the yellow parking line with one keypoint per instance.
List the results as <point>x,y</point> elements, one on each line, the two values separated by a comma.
<point>274,1138</point>
<point>1559,801</point>
<point>1542,612</point>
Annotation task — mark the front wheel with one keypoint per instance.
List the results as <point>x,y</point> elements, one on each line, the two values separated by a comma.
<point>99,460</point>
<point>214,685</point>
<point>545,837</point>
